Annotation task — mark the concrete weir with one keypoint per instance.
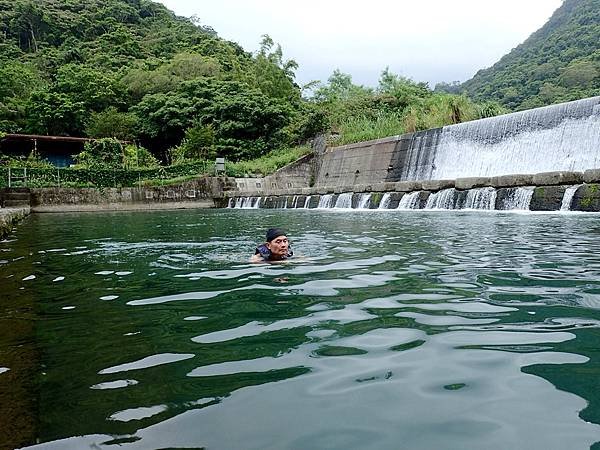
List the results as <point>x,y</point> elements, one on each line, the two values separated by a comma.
<point>526,160</point>
<point>554,191</point>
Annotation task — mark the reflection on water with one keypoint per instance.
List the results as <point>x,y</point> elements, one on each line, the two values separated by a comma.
<point>419,330</point>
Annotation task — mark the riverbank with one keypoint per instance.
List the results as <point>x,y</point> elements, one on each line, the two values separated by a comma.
<point>9,216</point>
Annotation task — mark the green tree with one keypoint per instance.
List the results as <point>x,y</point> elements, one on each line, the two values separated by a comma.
<point>580,74</point>
<point>339,87</point>
<point>198,144</point>
<point>112,123</point>
<point>18,80</point>
<point>273,75</point>
<point>96,89</point>
<point>28,24</point>
<point>55,114</point>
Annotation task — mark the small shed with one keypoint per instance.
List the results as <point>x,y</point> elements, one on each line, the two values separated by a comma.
<point>58,150</point>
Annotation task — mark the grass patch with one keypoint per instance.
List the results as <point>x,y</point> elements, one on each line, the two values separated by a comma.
<point>266,164</point>
<point>358,129</point>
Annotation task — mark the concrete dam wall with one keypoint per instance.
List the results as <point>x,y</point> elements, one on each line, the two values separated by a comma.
<point>563,137</point>
<point>543,159</point>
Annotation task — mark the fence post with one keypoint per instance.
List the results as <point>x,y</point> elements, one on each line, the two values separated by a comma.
<point>9,176</point>
<point>58,175</point>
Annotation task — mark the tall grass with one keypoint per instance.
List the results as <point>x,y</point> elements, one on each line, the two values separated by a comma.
<point>433,111</point>
<point>439,110</point>
<point>358,129</point>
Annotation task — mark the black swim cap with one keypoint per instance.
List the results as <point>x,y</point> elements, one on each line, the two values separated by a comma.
<point>273,233</point>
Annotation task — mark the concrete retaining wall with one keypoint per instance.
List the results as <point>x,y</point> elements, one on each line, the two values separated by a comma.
<point>297,175</point>
<point>198,193</point>
<point>382,160</point>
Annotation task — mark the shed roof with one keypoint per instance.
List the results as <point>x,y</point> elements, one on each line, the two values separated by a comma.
<point>41,137</point>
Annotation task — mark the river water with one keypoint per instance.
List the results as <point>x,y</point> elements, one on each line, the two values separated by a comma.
<point>388,330</point>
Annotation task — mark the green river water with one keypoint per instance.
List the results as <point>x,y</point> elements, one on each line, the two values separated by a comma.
<point>388,330</point>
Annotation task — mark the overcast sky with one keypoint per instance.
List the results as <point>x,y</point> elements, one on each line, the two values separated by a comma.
<point>426,40</point>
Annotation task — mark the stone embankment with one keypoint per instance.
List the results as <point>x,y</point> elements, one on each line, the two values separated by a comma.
<point>198,193</point>
<point>9,216</point>
<point>548,190</point>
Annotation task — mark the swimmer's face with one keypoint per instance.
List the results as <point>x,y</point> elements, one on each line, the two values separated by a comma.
<point>279,246</point>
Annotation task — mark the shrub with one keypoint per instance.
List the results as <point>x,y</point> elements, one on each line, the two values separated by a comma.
<point>101,153</point>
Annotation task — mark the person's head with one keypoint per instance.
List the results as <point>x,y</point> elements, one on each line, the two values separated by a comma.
<point>277,242</point>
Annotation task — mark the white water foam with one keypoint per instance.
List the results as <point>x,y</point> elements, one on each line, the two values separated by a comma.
<point>520,199</point>
<point>445,199</point>
<point>325,202</point>
<point>481,198</point>
<point>344,201</point>
<point>534,141</point>
<point>364,202</point>
<point>385,201</point>
<point>247,202</point>
<point>568,197</point>
<point>409,201</point>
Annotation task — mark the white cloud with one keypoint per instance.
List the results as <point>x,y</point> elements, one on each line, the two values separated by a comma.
<point>428,40</point>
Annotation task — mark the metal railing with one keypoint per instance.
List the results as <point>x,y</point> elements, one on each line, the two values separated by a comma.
<point>12,177</point>
<point>63,177</point>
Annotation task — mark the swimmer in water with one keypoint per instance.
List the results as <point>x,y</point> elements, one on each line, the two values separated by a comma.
<point>276,248</point>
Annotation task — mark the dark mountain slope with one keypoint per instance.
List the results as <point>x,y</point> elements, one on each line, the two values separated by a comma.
<point>559,62</point>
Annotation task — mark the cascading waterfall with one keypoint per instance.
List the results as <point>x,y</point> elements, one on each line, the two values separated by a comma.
<point>445,199</point>
<point>481,198</point>
<point>246,202</point>
<point>344,201</point>
<point>409,201</point>
<point>364,201</point>
<point>325,201</point>
<point>385,201</point>
<point>568,197</point>
<point>519,199</point>
<point>560,137</point>
<point>420,155</point>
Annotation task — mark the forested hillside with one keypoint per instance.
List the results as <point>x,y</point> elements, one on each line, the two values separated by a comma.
<point>559,62</point>
<point>133,70</point>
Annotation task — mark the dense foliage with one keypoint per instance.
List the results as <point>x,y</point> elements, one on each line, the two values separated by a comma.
<point>559,62</point>
<point>398,105</point>
<point>132,70</point>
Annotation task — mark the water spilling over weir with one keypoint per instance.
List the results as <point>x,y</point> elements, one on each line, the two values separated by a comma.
<point>545,159</point>
<point>557,137</point>
<point>479,199</point>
